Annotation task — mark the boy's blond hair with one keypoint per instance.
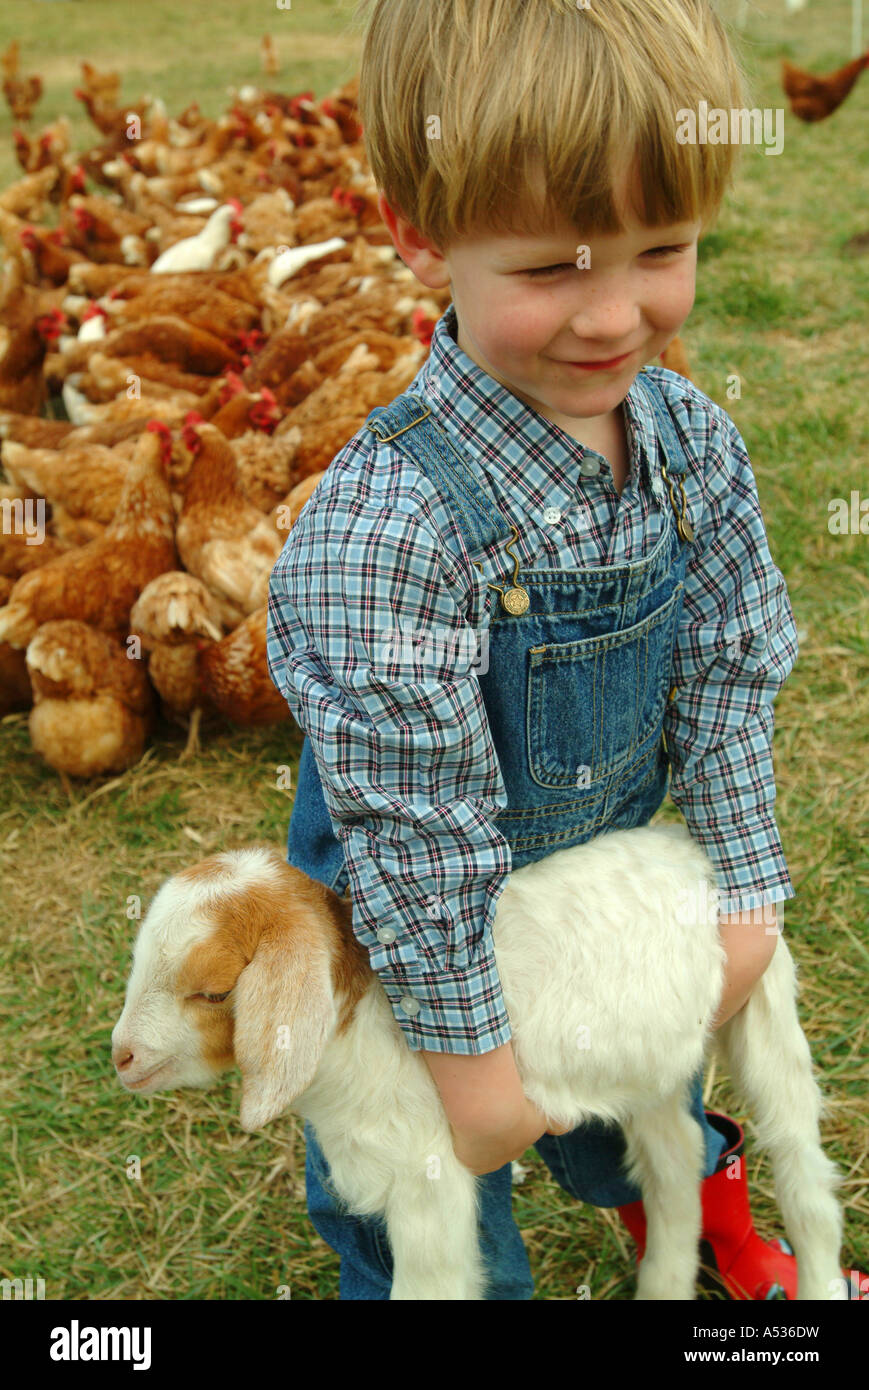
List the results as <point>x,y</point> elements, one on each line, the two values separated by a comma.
<point>522,88</point>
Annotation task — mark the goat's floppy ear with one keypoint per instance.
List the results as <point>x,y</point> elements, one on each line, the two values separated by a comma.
<point>284,1014</point>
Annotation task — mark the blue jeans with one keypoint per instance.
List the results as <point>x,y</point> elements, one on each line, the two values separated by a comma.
<point>581,1162</point>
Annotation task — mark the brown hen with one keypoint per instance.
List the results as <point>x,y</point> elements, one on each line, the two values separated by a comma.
<point>171,613</point>
<point>100,582</point>
<point>91,705</point>
<point>813,98</point>
<point>87,481</point>
<point>235,675</point>
<point>222,538</point>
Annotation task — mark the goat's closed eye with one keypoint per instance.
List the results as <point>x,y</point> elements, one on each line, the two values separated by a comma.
<point>212,998</point>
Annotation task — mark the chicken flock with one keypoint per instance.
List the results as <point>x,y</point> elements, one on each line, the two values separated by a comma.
<point>219,306</point>
<point>218,320</point>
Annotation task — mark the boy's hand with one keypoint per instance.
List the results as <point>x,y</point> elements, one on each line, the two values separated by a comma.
<point>486,1153</point>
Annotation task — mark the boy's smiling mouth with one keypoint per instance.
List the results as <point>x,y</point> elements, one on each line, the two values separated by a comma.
<point>602,364</point>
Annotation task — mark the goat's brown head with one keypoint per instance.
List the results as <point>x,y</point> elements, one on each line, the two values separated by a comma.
<point>233,964</point>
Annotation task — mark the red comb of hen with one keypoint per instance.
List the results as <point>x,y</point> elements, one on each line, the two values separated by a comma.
<point>160,428</point>
<point>191,439</point>
<point>232,386</point>
<point>51,324</point>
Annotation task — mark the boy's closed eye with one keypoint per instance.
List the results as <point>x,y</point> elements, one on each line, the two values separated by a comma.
<point>656,251</point>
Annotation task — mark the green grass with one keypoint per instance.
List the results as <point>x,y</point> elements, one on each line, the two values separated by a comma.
<point>220,1214</point>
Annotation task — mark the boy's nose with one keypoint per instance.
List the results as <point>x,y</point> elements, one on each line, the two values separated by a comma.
<point>606,318</point>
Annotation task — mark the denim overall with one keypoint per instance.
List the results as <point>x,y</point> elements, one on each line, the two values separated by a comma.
<point>575,692</point>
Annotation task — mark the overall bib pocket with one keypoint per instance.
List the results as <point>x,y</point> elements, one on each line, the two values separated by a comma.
<point>591,703</point>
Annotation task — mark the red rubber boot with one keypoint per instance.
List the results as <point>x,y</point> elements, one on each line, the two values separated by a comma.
<point>732,1255</point>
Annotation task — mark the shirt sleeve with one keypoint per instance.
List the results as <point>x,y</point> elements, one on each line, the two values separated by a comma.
<point>369,646</point>
<point>736,646</point>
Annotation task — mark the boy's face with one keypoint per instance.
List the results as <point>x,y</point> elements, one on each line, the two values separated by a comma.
<point>525,330</point>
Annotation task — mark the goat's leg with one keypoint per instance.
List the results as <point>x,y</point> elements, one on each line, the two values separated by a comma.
<point>771,1065</point>
<point>432,1227</point>
<point>665,1153</point>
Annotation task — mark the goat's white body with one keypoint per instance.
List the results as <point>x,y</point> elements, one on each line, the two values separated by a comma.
<point>612,970</point>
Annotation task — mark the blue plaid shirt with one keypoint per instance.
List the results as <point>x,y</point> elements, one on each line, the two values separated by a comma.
<point>375,539</point>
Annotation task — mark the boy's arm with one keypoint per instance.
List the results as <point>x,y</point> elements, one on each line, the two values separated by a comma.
<point>749,941</point>
<point>478,1091</point>
<point>736,646</point>
<point>408,769</point>
<point>491,1118</point>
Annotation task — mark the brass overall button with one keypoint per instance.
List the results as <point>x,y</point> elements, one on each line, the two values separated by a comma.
<point>515,600</point>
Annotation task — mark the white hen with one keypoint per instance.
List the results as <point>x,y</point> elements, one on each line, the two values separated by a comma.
<point>198,252</point>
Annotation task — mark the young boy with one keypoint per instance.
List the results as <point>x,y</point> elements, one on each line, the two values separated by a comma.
<point>590,523</point>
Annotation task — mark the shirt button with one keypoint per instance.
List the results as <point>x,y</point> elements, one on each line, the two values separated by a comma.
<point>552,514</point>
<point>386,934</point>
<point>409,1005</point>
<point>589,468</point>
<point>433,908</point>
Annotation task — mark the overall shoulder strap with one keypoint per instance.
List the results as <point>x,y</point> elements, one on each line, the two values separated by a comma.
<point>409,424</point>
<point>670,444</point>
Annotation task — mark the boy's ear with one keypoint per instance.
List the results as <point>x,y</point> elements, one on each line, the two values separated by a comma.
<point>419,255</point>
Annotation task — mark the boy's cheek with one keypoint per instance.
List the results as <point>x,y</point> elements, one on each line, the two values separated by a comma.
<point>522,329</point>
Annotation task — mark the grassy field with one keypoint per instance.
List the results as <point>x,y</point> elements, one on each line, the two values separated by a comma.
<point>219,1214</point>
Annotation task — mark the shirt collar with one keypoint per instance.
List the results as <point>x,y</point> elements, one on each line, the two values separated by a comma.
<point>502,433</point>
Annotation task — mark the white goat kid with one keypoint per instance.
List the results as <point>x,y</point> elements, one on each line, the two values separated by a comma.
<point>612,971</point>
